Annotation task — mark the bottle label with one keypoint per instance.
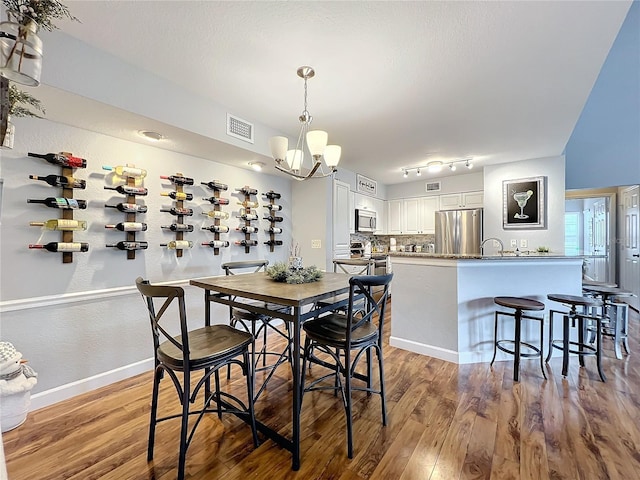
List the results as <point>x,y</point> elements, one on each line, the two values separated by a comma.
<point>69,247</point>
<point>131,172</point>
<point>132,226</point>
<point>74,162</point>
<point>182,244</point>
<point>67,203</point>
<point>63,224</point>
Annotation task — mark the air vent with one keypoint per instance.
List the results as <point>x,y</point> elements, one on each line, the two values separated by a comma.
<point>433,186</point>
<point>238,128</point>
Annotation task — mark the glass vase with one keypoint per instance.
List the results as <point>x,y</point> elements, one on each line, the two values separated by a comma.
<point>20,50</point>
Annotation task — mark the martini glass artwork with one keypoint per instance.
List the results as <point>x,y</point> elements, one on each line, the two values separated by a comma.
<point>521,199</point>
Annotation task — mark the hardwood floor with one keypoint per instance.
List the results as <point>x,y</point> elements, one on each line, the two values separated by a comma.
<point>445,422</point>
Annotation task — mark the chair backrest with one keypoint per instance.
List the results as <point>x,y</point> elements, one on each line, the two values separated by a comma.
<point>231,268</point>
<point>375,289</point>
<point>353,266</point>
<point>163,296</point>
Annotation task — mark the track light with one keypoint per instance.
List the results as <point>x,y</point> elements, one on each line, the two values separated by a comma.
<point>469,165</point>
<point>405,174</point>
<point>452,167</point>
<point>418,173</point>
<point>436,166</point>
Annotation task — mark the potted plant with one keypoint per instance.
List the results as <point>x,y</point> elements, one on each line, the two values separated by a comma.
<point>21,50</point>
<point>18,107</point>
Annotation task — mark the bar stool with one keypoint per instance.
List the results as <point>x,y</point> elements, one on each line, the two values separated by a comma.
<point>615,315</point>
<point>519,305</point>
<point>565,344</point>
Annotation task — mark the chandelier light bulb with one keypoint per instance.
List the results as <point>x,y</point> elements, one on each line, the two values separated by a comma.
<point>332,155</point>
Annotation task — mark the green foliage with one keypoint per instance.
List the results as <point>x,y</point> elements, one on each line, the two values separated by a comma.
<point>280,272</point>
<point>18,102</point>
<point>43,12</point>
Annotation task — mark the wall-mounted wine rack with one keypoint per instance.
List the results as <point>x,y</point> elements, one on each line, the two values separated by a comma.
<point>217,203</point>
<point>272,196</point>
<point>67,192</point>
<point>179,196</point>
<point>248,215</point>
<point>134,179</point>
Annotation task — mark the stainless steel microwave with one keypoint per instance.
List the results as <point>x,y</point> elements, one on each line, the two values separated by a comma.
<point>365,220</point>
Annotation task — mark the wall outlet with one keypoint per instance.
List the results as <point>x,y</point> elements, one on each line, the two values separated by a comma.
<point>514,243</point>
<point>524,243</point>
<point>316,243</point>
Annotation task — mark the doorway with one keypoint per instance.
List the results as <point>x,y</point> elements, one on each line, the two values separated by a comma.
<point>590,226</point>
<point>629,243</point>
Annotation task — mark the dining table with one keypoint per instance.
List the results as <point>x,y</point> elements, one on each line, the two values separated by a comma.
<point>302,300</point>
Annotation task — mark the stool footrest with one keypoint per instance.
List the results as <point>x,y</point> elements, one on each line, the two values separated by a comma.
<point>586,349</point>
<point>501,346</point>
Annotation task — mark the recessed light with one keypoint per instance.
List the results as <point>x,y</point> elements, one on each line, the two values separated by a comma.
<point>257,166</point>
<point>151,135</point>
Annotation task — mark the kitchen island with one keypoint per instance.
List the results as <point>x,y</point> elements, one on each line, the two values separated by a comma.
<point>443,304</point>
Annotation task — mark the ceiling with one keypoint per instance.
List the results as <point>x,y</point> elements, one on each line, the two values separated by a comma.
<point>397,84</point>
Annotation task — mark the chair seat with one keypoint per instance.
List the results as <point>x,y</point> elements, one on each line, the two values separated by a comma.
<point>574,300</point>
<point>206,345</point>
<point>332,329</point>
<point>519,303</point>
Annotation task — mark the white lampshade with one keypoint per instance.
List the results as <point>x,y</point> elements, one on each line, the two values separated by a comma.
<point>278,146</point>
<point>317,141</point>
<point>294,159</point>
<point>332,155</point>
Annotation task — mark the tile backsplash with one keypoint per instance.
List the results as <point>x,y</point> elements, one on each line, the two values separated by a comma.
<point>383,241</point>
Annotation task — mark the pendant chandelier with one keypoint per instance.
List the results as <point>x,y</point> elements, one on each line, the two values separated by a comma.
<point>292,162</point>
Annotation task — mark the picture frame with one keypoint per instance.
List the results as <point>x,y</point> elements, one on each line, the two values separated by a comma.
<point>366,185</point>
<point>524,203</point>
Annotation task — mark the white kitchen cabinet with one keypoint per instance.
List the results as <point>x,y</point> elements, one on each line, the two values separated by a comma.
<point>352,212</point>
<point>453,201</point>
<point>341,238</point>
<point>381,211</point>
<point>412,215</point>
<point>395,216</point>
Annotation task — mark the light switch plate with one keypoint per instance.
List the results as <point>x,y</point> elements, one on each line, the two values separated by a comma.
<point>524,243</point>
<point>514,243</point>
<point>316,243</point>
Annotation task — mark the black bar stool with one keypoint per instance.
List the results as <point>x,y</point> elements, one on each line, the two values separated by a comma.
<point>519,305</point>
<point>583,348</point>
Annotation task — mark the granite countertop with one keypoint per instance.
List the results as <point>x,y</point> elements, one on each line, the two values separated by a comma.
<point>506,256</point>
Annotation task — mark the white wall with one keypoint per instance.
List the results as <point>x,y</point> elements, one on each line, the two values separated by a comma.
<point>468,182</point>
<point>494,175</point>
<point>77,320</point>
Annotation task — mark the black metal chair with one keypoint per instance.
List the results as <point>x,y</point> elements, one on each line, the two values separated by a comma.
<point>350,266</point>
<point>339,334</point>
<point>205,349</point>
<point>258,325</point>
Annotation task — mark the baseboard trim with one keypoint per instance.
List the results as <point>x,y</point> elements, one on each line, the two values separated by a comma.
<point>64,392</point>
<point>423,349</point>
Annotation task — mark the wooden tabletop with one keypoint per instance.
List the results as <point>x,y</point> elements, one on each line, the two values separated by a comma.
<point>259,286</point>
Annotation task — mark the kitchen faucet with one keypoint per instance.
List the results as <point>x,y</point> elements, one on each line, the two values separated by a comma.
<point>497,240</point>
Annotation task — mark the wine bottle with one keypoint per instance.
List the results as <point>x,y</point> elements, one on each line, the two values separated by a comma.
<point>63,246</point>
<point>273,242</point>
<point>59,202</point>
<point>272,194</point>
<point>246,243</point>
<point>273,218</point>
<point>61,181</point>
<point>178,195</point>
<point>127,190</point>
<point>247,217</point>
<point>129,207</point>
<point>216,244</point>
<point>129,245</point>
<point>178,211</point>
<point>273,230</point>
<point>248,229</point>
<point>217,201</point>
<point>216,214</point>
<point>247,204</point>
<point>178,227</point>
<point>125,171</point>
<point>217,228</point>
<point>178,244</point>
<point>61,159</point>
<point>61,224</point>
<point>273,207</point>
<point>247,190</point>
<point>178,179</point>
<point>128,226</point>
<point>216,185</point>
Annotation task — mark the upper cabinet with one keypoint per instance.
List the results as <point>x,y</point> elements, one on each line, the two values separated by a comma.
<point>341,212</point>
<point>454,201</point>
<point>412,215</point>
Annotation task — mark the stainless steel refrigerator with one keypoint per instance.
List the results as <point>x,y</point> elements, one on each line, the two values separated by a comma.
<point>459,231</point>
